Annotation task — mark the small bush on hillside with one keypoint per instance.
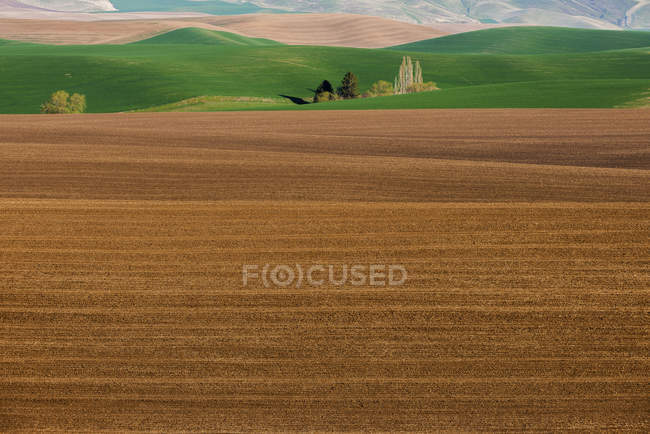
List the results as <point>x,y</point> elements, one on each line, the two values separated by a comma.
<point>77,103</point>
<point>381,88</point>
<point>62,103</point>
<point>58,103</point>
<point>325,97</point>
<point>424,87</point>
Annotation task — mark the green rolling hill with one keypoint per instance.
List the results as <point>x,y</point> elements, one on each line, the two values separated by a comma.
<point>535,94</point>
<point>531,40</point>
<point>194,36</point>
<point>160,72</point>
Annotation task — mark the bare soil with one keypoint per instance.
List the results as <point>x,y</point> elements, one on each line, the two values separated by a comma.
<point>526,235</point>
<point>296,29</point>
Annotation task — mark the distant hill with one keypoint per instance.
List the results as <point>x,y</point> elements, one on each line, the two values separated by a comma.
<point>360,31</point>
<point>316,29</point>
<point>214,7</point>
<point>531,40</point>
<point>67,5</point>
<point>569,13</point>
<point>196,36</point>
<point>600,14</point>
<point>187,64</point>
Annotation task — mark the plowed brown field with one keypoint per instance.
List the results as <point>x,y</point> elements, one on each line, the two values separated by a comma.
<point>61,32</point>
<point>526,235</point>
<point>297,29</point>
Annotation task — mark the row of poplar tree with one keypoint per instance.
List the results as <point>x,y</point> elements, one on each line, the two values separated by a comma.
<point>409,80</point>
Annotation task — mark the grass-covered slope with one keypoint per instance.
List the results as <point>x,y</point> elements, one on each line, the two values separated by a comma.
<point>195,36</point>
<point>145,75</point>
<point>531,40</point>
<point>535,94</point>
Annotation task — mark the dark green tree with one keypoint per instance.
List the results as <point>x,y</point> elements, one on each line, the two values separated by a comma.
<point>325,92</point>
<point>349,87</point>
<point>325,86</point>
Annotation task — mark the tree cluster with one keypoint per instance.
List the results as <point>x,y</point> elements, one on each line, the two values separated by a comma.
<point>349,89</point>
<point>410,79</point>
<point>62,103</point>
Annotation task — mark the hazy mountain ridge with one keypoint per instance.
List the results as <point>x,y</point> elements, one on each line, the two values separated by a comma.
<point>71,5</point>
<point>575,13</point>
<point>570,13</point>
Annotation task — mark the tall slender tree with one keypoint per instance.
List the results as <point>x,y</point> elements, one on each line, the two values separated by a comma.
<point>349,87</point>
<point>418,79</point>
<point>410,77</point>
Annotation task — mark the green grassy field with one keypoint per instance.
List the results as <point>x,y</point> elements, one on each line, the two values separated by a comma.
<point>224,103</point>
<point>193,36</point>
<point>199,63</point>
<point>531,40</point>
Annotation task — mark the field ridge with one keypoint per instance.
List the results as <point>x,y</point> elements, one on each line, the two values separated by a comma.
<point>531,41</point>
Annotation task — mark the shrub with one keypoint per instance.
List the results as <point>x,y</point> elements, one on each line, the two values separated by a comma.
<point>61,103</point>
<point>424,87</point>
<point>57,104</point>
<point>78,103</point>
<point>325,97</point>
<point>381,88</point>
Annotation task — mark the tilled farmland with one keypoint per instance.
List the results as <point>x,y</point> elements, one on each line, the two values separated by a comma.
<point>525,234</point>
